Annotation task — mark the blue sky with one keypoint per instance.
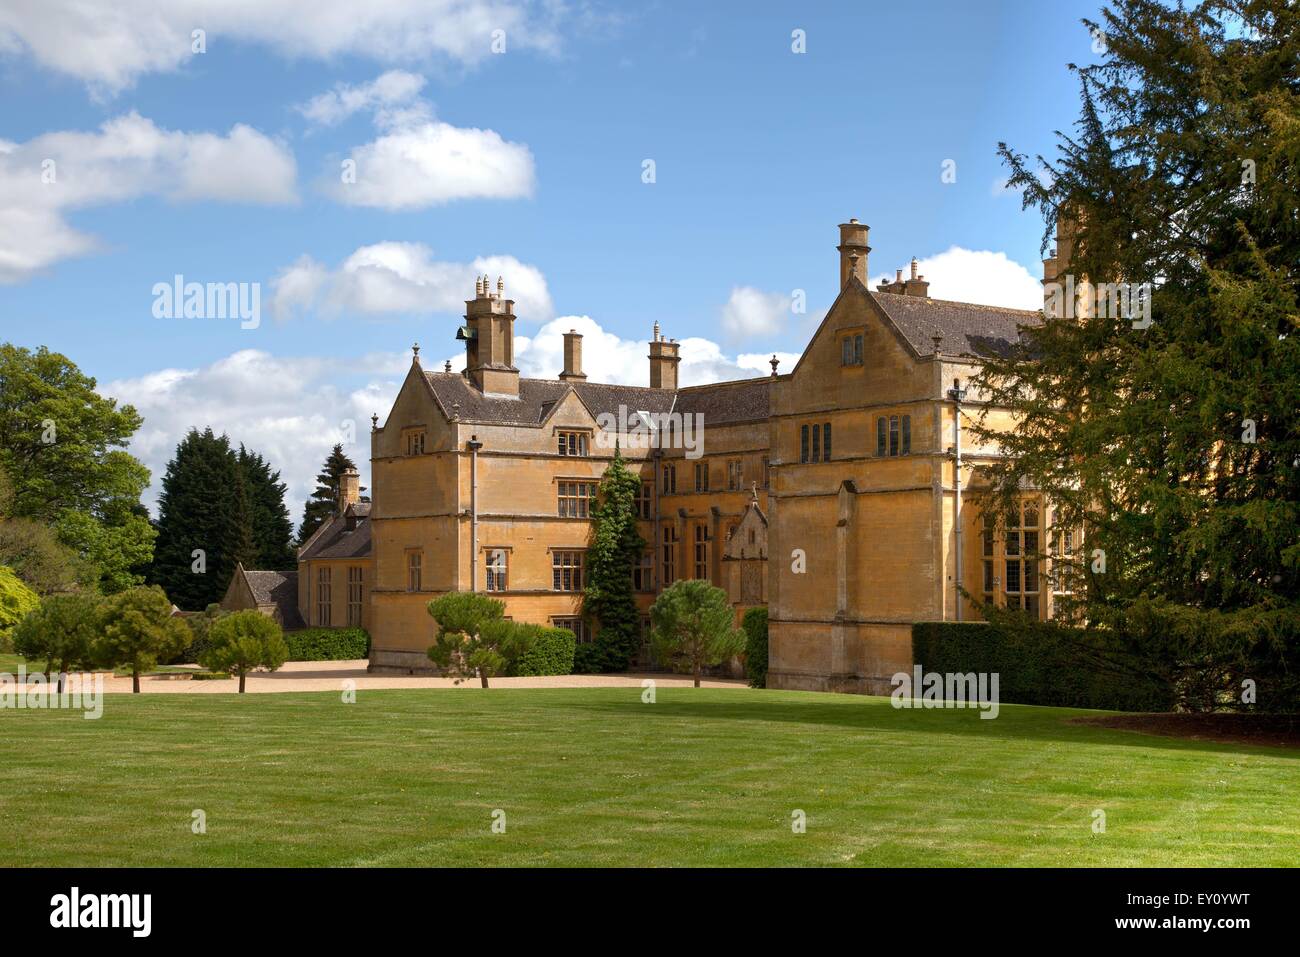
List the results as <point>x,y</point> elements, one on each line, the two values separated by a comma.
<point>759,152</point>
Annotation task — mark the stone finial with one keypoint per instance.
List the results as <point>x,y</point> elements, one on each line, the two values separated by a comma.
<point>446,366</point>
<point>753,492</point>
<point>938,341</point>
<point>374,421</point>
<point>455,411</point>
<point>415,353</point>
<point>774,363</point>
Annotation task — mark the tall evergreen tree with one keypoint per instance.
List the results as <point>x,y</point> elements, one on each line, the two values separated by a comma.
<point>203,506</point>
<point>1175,446</point>
<point>324,500</point>
<point>616,545</point>
<point>272,529</point>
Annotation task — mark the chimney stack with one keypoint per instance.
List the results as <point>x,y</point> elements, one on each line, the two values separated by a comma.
<point>489,337</point>
<point>349,489</point>
<point>572,356</point>
<point>853,252</point>
<point>914,285</point>
<point>663,362</point>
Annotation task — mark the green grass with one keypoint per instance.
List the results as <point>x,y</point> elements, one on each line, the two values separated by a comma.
<point>595,777</point>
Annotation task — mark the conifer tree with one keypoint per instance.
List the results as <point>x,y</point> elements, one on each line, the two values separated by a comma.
<point>203,507</point>
<point>272,529</point>
<point>616,545</point>
<point>324,500</point>
<point>1175,445</point>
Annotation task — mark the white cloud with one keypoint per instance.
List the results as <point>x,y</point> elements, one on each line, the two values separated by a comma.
<point>110,45</point>
<point>982,276</point>
<point>384,92</point>
<point>127,157</point>
<point>393,277</point>
<point>292,411</point>
<point>423,162</point>
<point>752,312</point>
<point>607,357</point>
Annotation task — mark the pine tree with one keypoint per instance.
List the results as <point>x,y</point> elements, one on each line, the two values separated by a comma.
<point>272,529</point>
<point>203,507</point>
<point>616,545</point>
<point>1175,446</point>
<point>324,500</point>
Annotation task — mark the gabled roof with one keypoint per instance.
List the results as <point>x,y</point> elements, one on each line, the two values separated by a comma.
<point>967,328</point>
<point>335,540</point>
<point>279,589</point>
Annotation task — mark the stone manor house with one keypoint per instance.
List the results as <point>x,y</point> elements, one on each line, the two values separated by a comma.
<point>843,494</point>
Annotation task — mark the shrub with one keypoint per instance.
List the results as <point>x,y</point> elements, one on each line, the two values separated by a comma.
<point>59,632</point>
<point>754,624</point>
<point>244,642</point>
<point>1042,663</point>
<point>16,600</point>
<point>552,653</point>
<point>200,627</point>
<point>588,659</point>
<point>137,630</point>
<point>328,644</point>
<point>473,638</point>
<point>693,626</point>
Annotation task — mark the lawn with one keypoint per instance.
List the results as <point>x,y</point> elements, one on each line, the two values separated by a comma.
<point>596,777</point>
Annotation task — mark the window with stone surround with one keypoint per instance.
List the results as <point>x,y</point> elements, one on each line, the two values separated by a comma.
<point>497,567</point>
<point>356,581</point>
<point>572,443</point>
<point>414,569</point>
<point>324,595</point>
<point>576,498</point>
<point>566,570</point>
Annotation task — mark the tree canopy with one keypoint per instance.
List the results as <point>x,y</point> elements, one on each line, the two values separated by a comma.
<point>1175,445</point>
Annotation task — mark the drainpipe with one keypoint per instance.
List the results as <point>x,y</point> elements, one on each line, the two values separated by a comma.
<point>473,445</point>
<point>957,393</point>
<point>656,456</point>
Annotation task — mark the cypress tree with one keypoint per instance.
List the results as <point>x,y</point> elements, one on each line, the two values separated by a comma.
<point>324,500</point>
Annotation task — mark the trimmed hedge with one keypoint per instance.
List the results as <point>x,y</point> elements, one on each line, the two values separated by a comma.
<point>551,654</point>
<point>1042,663</point>
<point>327,644</point>
<point>754,625</point>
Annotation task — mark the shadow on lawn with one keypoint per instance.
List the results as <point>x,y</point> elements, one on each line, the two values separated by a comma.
<point>1014,722</point>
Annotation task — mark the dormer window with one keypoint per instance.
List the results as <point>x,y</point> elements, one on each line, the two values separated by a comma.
<point>572,443</point>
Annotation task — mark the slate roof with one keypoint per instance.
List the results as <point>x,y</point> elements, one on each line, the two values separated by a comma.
<point>279,589</point>
<point>720,402</point>
<point>336,540</point>
<point>725,402</point>
<point>967,328</point>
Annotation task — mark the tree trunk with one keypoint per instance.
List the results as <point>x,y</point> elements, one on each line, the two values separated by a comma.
<point>135,679</point>
<point>697,674</point>
<point>241,681</point>
<point>58,686</point>
<point>482,677</point>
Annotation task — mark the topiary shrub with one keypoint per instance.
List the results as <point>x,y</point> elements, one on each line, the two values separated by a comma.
<point>754,624</point>
<point>327,644</point>
<point>551,653</point>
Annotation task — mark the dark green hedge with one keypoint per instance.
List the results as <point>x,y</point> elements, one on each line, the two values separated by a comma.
<point>1042,663</point>
<point>551,654</point>
<point>327,644</point>
<point>754,625</point>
